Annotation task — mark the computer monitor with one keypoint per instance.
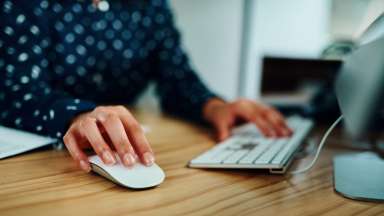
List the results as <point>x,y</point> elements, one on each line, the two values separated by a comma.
<point>360,87</point>
<point>360,94</point>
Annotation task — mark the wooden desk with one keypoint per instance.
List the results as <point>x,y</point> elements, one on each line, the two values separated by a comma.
<point>48,183</point>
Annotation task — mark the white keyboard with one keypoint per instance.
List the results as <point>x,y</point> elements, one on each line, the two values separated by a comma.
<point>248,149</point>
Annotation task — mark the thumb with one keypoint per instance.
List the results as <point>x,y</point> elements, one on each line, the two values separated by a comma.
<point>222,129</point>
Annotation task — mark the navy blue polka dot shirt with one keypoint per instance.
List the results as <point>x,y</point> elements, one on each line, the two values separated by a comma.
<point>61,58</point>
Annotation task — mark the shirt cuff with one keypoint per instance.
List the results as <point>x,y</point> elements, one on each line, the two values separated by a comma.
<point>196,110</point>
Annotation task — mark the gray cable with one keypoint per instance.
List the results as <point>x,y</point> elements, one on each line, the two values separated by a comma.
<point>305,169</point>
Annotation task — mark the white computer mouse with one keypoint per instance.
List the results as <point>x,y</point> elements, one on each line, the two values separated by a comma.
<point>138,177</point>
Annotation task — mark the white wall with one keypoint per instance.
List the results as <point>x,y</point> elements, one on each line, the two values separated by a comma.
<point>294,28</point>
<point>211,34</point>
<point>347,17</point>
<point>211,31</point>
<point>350,18</point>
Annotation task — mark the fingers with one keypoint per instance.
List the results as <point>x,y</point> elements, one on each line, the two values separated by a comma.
<point>278,122</point>
<point>264,126</point>
<point>222,128</point>
<point>136,136</point>
<point>90,130</point>
<point>252,114</point>
<point>75,151</point>
<point>269,121</point>
<point>105,128</point>
<point>119,138</point>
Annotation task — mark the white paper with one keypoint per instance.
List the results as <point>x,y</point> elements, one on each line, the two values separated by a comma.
<point>13,142</point>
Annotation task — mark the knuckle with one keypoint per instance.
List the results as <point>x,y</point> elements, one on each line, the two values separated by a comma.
<point>255,119</point>
<point>101,109</point>
<point>68,135</point>
<point>273,111</point>
<point>120,108</point>
<point>242,101</point>
<point>275,115</point>
<point>262,123</point>
<point>111,116</point>
<point>134,126</point>
<point>85,123</point>
<point>66,138</point>
<point>280,120</point>
<point>266,111</point>
<point>88,120</point>
<point>98,109</point>
<point>265,114</point>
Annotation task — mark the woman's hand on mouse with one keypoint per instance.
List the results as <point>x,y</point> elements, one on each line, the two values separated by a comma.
<point>223,116</point>
<point>106,128</point>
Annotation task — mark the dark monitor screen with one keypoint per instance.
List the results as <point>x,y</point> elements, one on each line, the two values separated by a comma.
<point>281,74</point>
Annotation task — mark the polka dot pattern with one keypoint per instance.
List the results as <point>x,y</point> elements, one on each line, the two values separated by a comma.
<point>61,58</point>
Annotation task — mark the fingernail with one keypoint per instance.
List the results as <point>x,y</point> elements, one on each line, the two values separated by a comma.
<point>108,158</point>
<point>136,157</point>
<point>129,160</point>
<point>84,166</point>
<point>148,158</point>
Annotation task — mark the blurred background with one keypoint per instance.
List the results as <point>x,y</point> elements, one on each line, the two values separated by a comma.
<point>233,44</point>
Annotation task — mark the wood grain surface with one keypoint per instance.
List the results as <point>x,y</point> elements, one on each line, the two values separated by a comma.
<point>47,182</point>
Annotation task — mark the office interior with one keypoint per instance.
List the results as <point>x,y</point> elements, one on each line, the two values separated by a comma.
<point>298,28</point>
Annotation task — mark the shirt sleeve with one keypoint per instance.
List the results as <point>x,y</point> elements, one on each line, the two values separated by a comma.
<point>180,89</point>
<point>27,99</point>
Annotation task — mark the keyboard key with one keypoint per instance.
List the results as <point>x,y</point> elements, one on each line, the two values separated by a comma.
<point>218,157</point>
<point>272,151</point>
<point>292,145</point>
<point>234,158</point>
<point>249,129</point>
<point>208,155</point>
<point>283,153</point>
<point>256,152</point>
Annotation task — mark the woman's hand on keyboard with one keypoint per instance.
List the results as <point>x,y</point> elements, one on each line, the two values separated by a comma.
<point>223,116</point>
<point>106,128</point>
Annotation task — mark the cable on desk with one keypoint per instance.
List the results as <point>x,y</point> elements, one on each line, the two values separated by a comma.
<point>305,169</point>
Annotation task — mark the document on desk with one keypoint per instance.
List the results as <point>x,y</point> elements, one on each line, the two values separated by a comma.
<point>13,142</point>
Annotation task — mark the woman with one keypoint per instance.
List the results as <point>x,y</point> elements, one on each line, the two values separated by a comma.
<point>60,59</point>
